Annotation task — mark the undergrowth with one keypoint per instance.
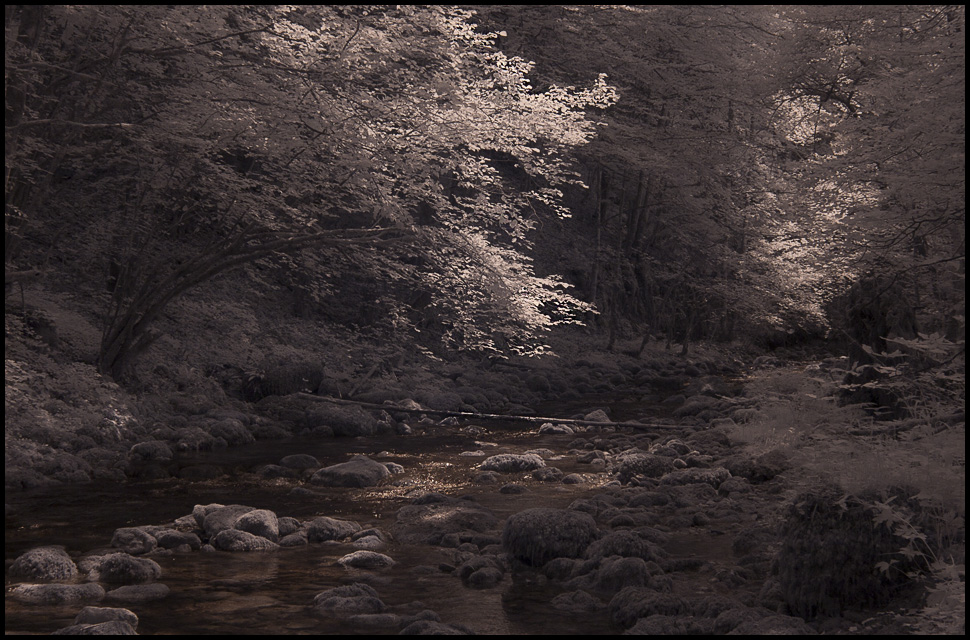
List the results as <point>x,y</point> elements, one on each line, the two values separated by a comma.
<point>913,482</point>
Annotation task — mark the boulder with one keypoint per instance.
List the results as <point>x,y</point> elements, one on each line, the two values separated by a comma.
<point>155,450</point>
<point>359,471</point>
<point>536,536</point>
<point>343,421</point>
<point>259,522</point>
<point>58,594</point>
<point>235,540</point>
<point>223,517</point>
<point>133,540</point>
<point>627,544</point>
<point>694,475</point>
<point>366,560</point>
<point>172,539</point>
<point>576,602</point>
<point>633,603</point>
<point>512,462</point>
<point>44,564</point>
<point>323,529</point>
<point>110,628</point>
<point>122,568</point>
<point>300,461</point>
<point>597,416</point>
<point>138,593</point>
<point>346,601</point>
<point>645,464</point>
<point>95,615</point>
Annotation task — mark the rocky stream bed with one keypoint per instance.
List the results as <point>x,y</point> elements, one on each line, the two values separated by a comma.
<point>437,526</point>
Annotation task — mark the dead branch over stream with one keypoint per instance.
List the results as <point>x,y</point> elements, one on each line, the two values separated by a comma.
<point>497,416</point>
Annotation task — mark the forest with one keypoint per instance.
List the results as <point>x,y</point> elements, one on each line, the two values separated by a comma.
<point>721,247</point>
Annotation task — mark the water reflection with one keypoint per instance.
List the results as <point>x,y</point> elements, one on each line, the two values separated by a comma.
<point>248,593</point>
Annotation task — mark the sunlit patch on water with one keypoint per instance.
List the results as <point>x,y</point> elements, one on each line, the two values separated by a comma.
<point>268,593</point>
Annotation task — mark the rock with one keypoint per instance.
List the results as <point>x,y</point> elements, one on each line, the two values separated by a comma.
<point>233,431</point>
<point>235,540</point>
<point>121,568</point>
<point>58,594</point>
<point>300,461</point>
<point>577,602</point>
<point>428,523</point>
<point>484,578</point>
<point>617,572</point>
<point>200,511</point>
<point>273,471</point>
<point>675,400</point>
<point>95,615</point>
<point>536,536</point>
<point>713,477</point>
<point>547,474</point>
<point>432,628</point>
<point>627,544</point>
<point>171,539</point>
<point>133,540</point>
<point>550,428</point>
<point>512,462</point>
<point>487,477</point>
<point>633,603</point>
<point>359,471</point>
<point>394,468</point>
<point>645,464</point>
<point>195,439</point>
<point>350,421</point>
<point>346,601</point>
<point>694,405</point>
<point>297,539</point>
<point>760,469</point>
<point>324,528</point>
<point>671,625</point>
<point>288,525</point>
<point>259,522</point>
<point>774,625</point>
<point>44,564</point>
<point>155,450</point>
<point>369,542</point>
<point>758,621</point>
<point>138,593</point>
<point>481,571</point>
<point>366,560</point>
<point>734,486</point>
<point>223,517</point>
<point>597,416</point>
<point>110,628</point>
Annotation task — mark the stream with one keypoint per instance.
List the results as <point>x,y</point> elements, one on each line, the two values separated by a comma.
<point>268,592</point>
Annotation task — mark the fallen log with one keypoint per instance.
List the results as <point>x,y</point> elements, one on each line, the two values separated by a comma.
<point>468,415</point>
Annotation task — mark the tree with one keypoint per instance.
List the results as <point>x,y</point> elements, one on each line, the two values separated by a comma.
<point>876,101</point>
<point>209,137</point>
<point>678,178</point>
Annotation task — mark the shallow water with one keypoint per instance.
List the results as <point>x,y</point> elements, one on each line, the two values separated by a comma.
<point>260,593</point>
